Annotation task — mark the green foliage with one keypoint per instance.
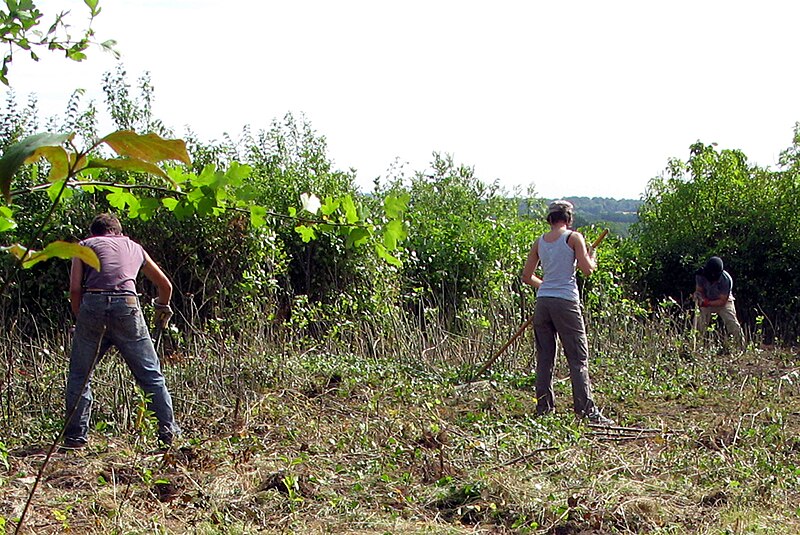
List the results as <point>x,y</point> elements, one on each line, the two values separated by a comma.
<point>716,203</point>
<point>135,184</point>
<point>19,30</point>
<point>134,151</point>
<point>132,112</point>
<point>466,240</point>
<point>339,238</point>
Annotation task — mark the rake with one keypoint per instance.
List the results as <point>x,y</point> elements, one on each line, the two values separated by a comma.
<point>488,364</point>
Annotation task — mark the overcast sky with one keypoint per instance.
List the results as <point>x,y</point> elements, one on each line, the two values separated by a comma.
<point>573,98</point>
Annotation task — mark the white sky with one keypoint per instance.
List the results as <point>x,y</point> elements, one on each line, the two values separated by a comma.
<point>575,97</point>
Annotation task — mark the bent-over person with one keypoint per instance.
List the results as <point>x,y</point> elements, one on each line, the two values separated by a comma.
<point>714,295</point>
<point>107,309</point>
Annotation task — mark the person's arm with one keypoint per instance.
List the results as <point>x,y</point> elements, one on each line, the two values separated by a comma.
<point>718,302</point>
<point>76,285</point>
<point>724,286</point>
<point>529,271</point>
<point>157,277</point>
<point>699,294</point>
<point>586,260</point>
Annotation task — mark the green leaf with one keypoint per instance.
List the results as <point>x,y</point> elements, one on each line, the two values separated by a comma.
<point>7,219</point>
<point>183,210</point>
<point>330,206</point>
<point>196,194</point>
<point>358,236</point>
<point>389,259</point>
<point>393,233</point>
<point>237,173</point>
<point>247,193</point>
<point>395,206</point>
<point>170,203</point>
<point>306,233</point>
<point>207,176</point>
<point>55,188</point>
<point>17,154</point>
<point>206,205</point>
<point>147,207</point>
<point>76,55</point>
<point>92,5</point>
<point>257,216</point>
<point>56,249</point>
<point>178,176</point>
<point>349,207</point>
<point>148,147</point>
<point>120,199</point>
<point>108,45</point>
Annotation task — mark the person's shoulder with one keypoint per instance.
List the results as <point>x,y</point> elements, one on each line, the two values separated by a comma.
<point>127,239</point>
<point>92,240</point>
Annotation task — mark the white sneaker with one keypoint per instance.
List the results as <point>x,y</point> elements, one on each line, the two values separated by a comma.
<point>598,419</point>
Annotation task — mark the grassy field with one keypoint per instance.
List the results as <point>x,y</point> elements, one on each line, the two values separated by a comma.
<point>391,438</point>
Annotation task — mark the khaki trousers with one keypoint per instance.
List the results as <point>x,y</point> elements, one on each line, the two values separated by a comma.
<point>727,313</point>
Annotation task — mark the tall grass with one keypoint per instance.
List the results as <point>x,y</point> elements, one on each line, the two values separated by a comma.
<point>375,428</point>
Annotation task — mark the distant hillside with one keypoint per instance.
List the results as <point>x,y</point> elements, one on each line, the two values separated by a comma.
<point>616,214</point>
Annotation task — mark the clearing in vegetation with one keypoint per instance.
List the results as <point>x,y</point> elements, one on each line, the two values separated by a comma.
<point>329,439</point>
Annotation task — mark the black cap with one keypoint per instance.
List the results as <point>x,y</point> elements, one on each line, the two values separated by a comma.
<point>713,268</point>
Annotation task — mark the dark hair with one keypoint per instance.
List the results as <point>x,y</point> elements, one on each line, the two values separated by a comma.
<point>713,268</point>
<point>555,217</point>
<point>560,210</point>
<point>105,224</point>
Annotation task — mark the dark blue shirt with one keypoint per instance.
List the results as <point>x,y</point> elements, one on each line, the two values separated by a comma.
<point>715,290</point>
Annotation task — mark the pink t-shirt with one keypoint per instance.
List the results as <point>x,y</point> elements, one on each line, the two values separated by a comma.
<point>120,261</point>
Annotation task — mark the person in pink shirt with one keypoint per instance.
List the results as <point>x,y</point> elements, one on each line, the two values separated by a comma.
<point>106,306</point>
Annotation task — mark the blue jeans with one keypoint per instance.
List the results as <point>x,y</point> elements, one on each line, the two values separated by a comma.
<point>106,320</point>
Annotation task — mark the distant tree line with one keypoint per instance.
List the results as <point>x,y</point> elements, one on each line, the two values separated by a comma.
<point>616,214</point>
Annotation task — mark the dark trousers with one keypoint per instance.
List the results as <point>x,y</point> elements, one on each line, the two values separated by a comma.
<point>563,318</point>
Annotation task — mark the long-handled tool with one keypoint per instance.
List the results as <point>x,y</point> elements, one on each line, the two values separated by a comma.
<point>525,325</point>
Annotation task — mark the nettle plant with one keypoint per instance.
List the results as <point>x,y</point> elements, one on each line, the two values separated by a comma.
<point>184,193</point>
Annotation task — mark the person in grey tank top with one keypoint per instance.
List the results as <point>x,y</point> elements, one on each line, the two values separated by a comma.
<point>558,311</point>
<point>107,313</point>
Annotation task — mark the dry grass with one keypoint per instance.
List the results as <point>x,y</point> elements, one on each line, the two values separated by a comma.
<point>390,439</point>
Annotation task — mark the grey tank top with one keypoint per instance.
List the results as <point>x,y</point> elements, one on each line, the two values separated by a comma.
<point>120,261</point>
<point>558,264</point>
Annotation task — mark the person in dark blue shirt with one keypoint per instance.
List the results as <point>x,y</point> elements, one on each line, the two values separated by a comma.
<point>714,295</point>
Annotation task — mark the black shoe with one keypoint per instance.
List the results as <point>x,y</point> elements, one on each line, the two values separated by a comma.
<point>72,444</point>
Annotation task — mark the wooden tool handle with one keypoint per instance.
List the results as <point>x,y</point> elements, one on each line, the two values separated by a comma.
<point>600,239</point>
